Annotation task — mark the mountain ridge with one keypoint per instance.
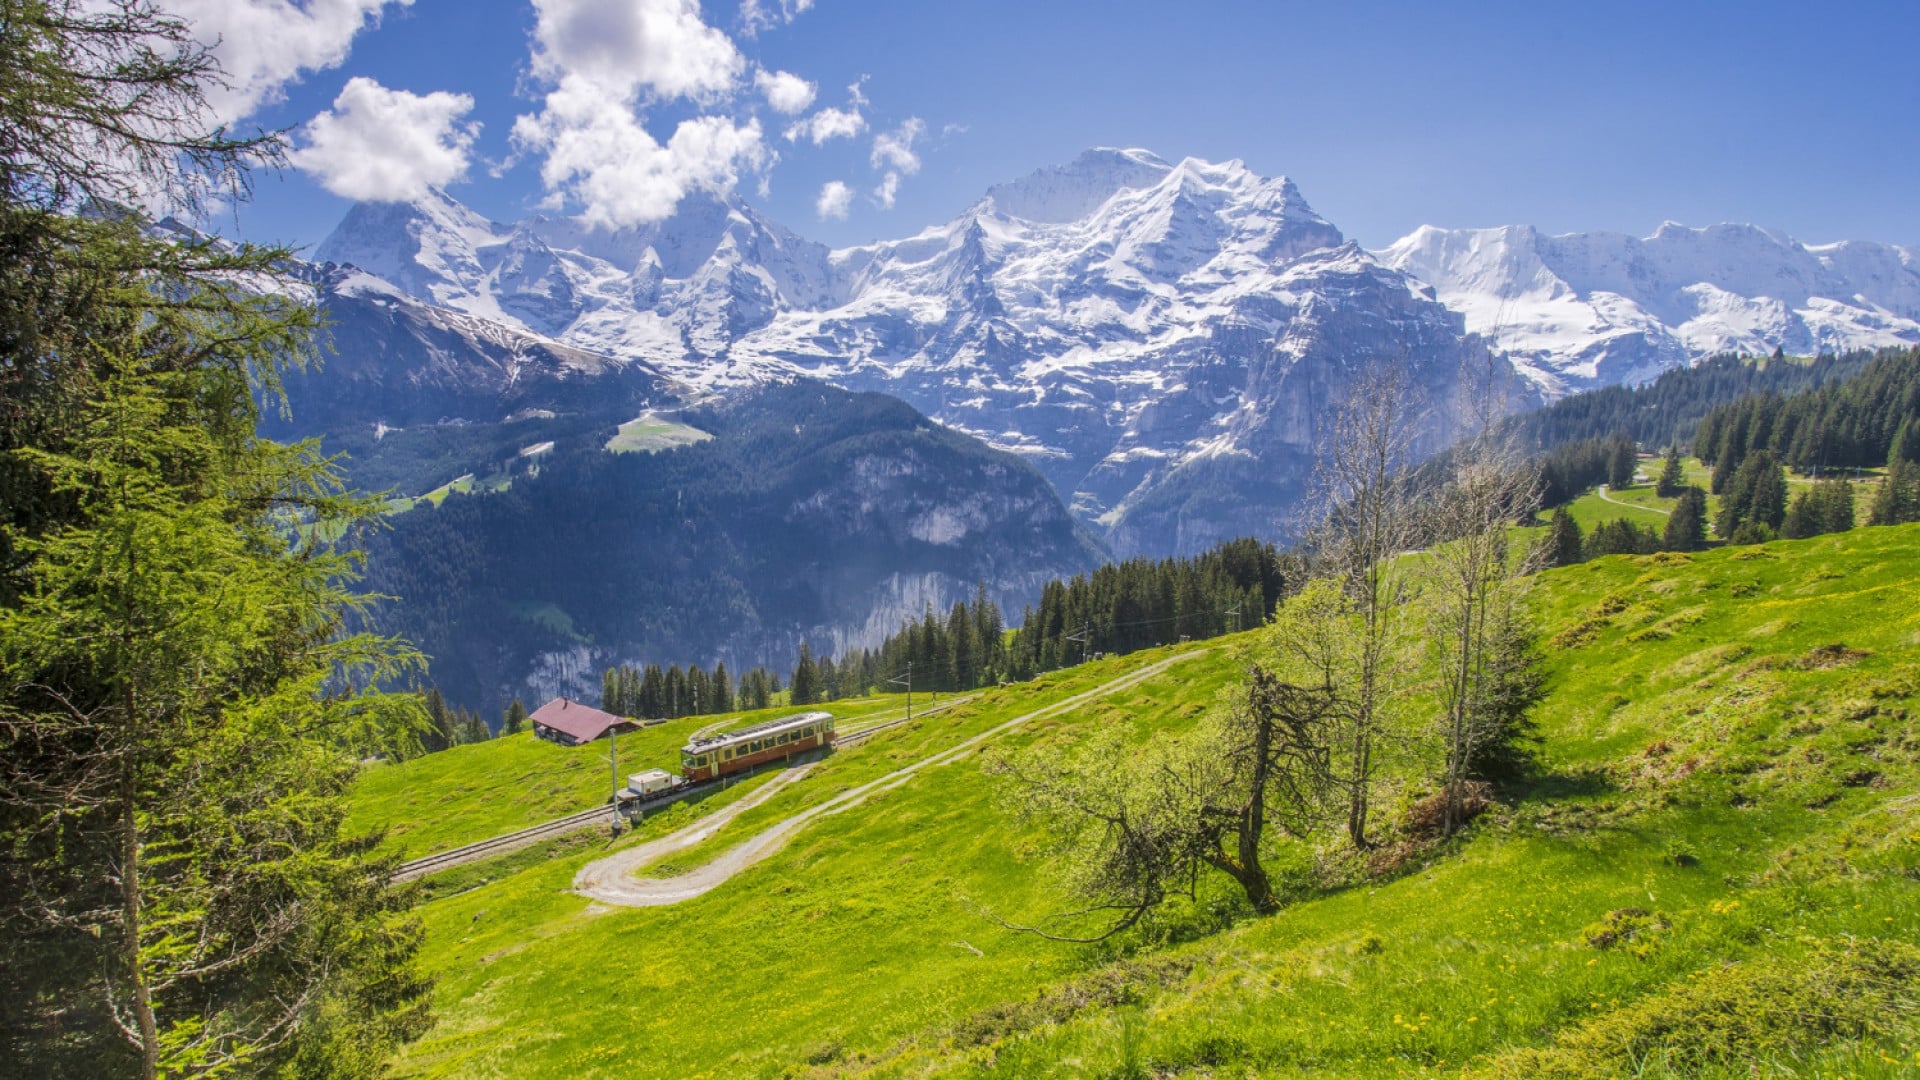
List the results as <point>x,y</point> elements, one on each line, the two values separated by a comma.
<point>1580,310</point>
<point>1150,334</point>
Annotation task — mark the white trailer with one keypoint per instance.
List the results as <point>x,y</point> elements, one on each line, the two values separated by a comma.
<point>651,782</point>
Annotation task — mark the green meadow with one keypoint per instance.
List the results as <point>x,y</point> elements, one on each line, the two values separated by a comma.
<point>1713,871</point>
<point>482,790</point>
<point>650,433</point>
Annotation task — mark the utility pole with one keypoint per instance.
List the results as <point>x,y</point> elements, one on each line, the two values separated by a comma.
<point>613,763</point>
<point>1236,618</point>
<point>895,681</point>
<point>1082,637</point>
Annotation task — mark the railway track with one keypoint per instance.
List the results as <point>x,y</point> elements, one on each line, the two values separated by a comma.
<point>862,734</point>
<point>607,880</point>
<point>603,816</point>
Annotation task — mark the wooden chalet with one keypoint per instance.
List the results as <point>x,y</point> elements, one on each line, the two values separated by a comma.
<point>571,723</point>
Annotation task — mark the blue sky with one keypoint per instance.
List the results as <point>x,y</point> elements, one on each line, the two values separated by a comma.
<point>1597,116</point>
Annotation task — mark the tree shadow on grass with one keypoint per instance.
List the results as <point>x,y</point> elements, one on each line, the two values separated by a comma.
<point>1577,784</point>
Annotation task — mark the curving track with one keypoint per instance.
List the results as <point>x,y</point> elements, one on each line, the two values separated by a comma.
<point>602,816</point>
<point>607,879</point>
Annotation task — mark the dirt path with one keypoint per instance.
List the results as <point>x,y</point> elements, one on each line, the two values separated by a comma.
<point>606,880</point>
<point>605,876</point>
<point>1604,497</point>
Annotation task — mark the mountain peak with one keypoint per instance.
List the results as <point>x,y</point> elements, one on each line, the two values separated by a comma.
<point>1058,194</point>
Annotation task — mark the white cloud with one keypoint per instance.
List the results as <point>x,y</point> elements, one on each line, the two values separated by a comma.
<point>263,45</point>
<point>758,15</point>
<point>828,124</point>
<point>627,46</point>
<point>386,145</point>
<point>603,61</point>
<point>894,149</point>
<point>889,188</point>
<point>835,198</point>
<point>785,91</point>
<point>599,155</point>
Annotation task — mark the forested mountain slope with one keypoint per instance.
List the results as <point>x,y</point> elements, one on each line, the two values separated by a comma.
<point>811,514</point>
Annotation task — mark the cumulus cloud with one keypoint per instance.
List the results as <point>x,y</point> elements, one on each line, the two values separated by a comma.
<point>386,145</point>
<point>828,124</point>
<point>624,47</point>
<point>758,15</point>
<point>263,45</point>
<point>785,91</point>
<point>894,149</point>
<point>603,61</point>
<point>598,154</point>
<point>893,152</point>
<point>835,198</point>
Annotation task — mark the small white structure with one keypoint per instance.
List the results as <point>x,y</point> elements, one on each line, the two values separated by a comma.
<point>651,781</point>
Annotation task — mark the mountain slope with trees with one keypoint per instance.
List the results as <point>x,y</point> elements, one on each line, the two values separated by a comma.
<point>812,514</point>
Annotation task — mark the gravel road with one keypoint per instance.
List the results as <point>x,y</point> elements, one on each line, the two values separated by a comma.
<point>608,880</point>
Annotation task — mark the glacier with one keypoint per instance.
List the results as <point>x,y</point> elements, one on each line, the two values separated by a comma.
<point>1581,310</point>
<point>1161,339</point>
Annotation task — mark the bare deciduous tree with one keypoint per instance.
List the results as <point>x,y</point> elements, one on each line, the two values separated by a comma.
<point>1474,581</point>
<point>1369,502</point>
<point>1131,830</point>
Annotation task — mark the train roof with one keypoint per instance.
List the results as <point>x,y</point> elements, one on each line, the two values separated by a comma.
<point>702,743</point>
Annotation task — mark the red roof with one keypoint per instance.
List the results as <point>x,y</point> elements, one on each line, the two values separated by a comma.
<point>583,722</point>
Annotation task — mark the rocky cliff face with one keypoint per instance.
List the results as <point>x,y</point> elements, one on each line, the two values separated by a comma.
<point>812,514</point>
<point>390,360</point>
<point>1158,338</point>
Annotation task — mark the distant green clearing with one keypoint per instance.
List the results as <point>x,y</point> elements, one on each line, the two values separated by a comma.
<point>462,485</point>
<point>1642,504</point>
<point>1730,747</point>
<point>551,616</point>
<point>650,433</point>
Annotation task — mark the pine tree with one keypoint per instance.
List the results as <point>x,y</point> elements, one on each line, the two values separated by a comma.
<point>722,688</point>
<point>676,692</point>
<point>1906,444</point>
<point>1757,492</point>
<point>1620,537</point>
<point>1687,525</point>
<point>440,733</point>
<point>184,708</point>
<point>515,720</point>
<point>1672,479</point>
<point>1898,500</point>
<point>806,679</point>
<point>1563,540</point>
<point>1803,518</point>
<point>1621,461</point>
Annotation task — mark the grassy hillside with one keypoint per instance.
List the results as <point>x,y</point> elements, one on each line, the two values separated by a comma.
<point>483,790</point>
<point>1721,850</point>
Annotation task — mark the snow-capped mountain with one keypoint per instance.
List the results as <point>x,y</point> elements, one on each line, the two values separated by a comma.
<point>1161,339</point>
<point>1588,309</point>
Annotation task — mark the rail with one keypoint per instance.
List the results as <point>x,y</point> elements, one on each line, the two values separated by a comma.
<point>604,815</point>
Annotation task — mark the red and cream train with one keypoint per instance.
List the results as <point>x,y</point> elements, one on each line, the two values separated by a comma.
<point>712,756</point>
